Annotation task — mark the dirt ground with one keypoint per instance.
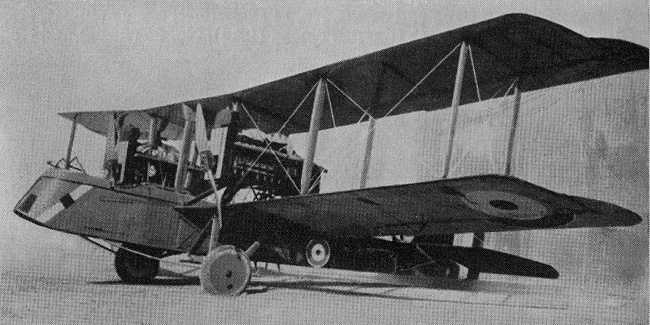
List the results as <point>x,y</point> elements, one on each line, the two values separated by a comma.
<point>94,295</point>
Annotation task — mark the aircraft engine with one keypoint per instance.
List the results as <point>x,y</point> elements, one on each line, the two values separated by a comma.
<point>318,252</point>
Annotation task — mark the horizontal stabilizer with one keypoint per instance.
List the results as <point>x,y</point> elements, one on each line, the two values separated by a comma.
<point>490,261</point>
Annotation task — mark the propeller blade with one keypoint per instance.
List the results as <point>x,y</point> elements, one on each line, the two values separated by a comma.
<point>201,139</point>
<point>201,136</point>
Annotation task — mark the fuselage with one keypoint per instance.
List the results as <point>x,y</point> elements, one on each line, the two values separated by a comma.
<point>81,204</point>
<point>143,214</point>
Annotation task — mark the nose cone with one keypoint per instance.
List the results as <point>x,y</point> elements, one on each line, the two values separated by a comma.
<point>47,197</point>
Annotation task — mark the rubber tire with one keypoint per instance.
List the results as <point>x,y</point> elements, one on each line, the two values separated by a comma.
<point>311,250</point>
<point>134,268</point>
<point>226,271</point>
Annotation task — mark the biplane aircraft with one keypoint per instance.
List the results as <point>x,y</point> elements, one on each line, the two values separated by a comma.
<point>157,201</point>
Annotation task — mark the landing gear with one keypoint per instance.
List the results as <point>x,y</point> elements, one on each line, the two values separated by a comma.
<point>135,268</point>
<point>226,271</point>
<point>439,268</point>
<point>318,252</point>
<point>437,264</point>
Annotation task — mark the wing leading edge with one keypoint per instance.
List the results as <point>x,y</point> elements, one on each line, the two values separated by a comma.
<point>486,203</point>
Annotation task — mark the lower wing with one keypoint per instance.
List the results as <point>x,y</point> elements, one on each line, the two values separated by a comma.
<point>485,203</point>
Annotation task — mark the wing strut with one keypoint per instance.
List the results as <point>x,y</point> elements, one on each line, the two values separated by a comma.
<point>370,136</point>
<point>477,240</point>
<point>314,126</point>
<point>455,102</point>
<point>68,155</point>
<point>513,128</point>
<point>181,169</point>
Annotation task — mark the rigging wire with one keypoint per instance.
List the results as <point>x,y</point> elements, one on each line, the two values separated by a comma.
<point>329,100</point>
<point>268,145</point>
<point>272,151</point>
<point>471,59</point>
<point>317,182</point>
<point>358,139</point>
<point>402,99</point>
<point>422,80</point>
<point>479,239</point>
<point>507,91</point>
<point>365,112</point>
<point>115,247</point>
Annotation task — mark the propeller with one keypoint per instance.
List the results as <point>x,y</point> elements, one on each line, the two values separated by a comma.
<point>226,270</point>
<point>203,149</point>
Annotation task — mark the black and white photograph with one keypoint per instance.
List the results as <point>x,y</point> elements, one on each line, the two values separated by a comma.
<point>324,162</point>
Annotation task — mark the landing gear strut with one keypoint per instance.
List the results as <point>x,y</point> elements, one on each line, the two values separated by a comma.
<point>439,268</point>
<point>135,268</point>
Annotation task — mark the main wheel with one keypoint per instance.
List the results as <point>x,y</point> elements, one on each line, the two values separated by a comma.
<point>135,268</point>
<point>318,252</point>
<point>226,271</point>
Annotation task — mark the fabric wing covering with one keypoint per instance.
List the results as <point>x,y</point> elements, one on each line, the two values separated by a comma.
<point>538,52</point>
<point>486,203</point>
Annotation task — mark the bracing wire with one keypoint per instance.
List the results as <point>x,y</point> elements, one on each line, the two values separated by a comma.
<point>272,151</point>
<point>268,145</point>
<point>471,59</point>
<point>422,80</point>
<point>365,112</point>
<point>329,100</point>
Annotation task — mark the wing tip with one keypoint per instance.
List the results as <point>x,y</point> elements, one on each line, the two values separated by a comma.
<point>611,214</point>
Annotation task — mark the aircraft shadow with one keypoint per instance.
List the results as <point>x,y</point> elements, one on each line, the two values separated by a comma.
<point>390,291</point>
<point>330,287</point>
<point>180,281</point>
<point>263,284</point>
<point>165,278</point>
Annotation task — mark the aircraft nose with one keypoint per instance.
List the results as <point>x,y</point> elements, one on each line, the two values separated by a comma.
<point>47,197</point>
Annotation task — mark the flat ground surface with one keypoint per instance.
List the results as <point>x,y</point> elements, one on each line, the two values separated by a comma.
<point>95,295</point>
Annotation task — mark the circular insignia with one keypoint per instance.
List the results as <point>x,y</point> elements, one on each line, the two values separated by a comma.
<point>506,205</point>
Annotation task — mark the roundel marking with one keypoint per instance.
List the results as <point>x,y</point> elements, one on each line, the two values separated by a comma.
<point>506,205</point>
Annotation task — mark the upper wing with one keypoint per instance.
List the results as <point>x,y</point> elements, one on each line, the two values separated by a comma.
<point>538,52</point>
<point>486,203</point>
<point>98,121</point>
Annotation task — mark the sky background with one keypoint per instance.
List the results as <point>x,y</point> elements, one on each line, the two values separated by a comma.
<point>86,55</point>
